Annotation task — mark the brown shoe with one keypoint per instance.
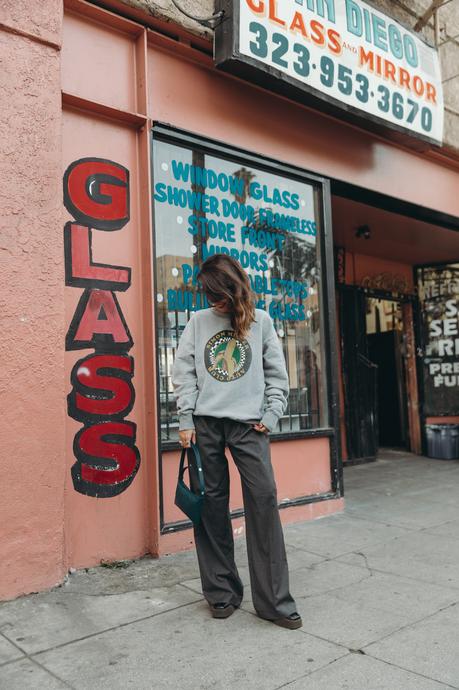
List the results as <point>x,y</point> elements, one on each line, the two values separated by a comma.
<point>222,610</point>
<point>292,622</point>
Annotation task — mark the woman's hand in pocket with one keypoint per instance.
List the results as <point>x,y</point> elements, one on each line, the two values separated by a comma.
<point>185,436</point>
<point>261,427</point>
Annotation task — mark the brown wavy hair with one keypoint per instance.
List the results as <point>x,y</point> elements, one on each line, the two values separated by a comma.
<point>223,279</point>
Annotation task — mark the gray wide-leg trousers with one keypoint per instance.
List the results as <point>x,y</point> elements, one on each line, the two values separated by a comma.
<point>268,567</point>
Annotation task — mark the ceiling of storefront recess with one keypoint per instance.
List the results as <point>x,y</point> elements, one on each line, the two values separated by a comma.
<point>392,236</point>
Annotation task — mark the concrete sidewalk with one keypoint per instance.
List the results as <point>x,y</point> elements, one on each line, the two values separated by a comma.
<point>377,586</point>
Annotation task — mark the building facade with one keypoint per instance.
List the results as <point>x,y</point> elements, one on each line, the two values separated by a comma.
<point>130,157</point>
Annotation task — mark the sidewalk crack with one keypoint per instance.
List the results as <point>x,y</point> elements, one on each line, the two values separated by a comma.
<point>29,657</point>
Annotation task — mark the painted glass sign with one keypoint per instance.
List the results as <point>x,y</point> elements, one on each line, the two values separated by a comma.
<point>97,195</point>
<point>438,288</point>
<point>205,204</point>
<point>343,52</point>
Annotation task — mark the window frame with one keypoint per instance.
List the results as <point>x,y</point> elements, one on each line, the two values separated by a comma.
<point>329,347</point>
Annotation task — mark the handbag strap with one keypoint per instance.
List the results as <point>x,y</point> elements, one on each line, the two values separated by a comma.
<point>187,451</point>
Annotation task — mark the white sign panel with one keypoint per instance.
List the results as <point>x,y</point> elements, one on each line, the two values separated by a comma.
<point>347,53</point>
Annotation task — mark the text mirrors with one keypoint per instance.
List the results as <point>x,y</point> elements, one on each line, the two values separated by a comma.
<point>205,205</point>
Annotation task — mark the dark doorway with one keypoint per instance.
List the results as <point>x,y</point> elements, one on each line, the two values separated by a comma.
<point>359,379</point>
<point>384,351</point>
<point>373,374</point>
<point>384,331</point>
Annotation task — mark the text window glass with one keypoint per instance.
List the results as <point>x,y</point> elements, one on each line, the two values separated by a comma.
<point>270,223</point>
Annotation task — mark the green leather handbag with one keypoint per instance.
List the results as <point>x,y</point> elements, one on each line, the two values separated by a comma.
<point>187,500</point>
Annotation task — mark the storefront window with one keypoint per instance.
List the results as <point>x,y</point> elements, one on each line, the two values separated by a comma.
<point>271,223</point>
<point>438,289</point>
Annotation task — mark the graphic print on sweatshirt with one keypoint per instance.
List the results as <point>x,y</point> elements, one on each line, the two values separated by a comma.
<point>226,357</point>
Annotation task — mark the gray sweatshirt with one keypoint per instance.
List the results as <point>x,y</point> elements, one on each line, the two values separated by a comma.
<point>218,375</point>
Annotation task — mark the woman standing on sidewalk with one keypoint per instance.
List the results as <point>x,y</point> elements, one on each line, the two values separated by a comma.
<point>231,383</point>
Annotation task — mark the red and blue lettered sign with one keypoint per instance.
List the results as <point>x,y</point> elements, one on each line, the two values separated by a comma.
<point>336,55</point>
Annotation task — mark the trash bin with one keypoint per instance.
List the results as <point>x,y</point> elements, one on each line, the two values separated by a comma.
<point>443,441</point>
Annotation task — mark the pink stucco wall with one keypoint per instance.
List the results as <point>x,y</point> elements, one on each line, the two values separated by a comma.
<point>117,527</point>
<point>301,468</point>
<point>32,397</point>
<point>106,77</point>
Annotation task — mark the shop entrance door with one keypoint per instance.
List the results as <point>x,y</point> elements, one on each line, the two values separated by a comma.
<point>359,378</point>
<point>384,329</point>
<point>374,374</point>
<point>384,349</point>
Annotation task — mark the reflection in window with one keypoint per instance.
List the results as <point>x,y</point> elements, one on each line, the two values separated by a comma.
<point>383,315</point>
<point>205,205</point>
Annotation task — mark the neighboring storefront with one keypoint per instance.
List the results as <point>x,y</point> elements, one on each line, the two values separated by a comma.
<point>167,159</point>
<point>399,326</point>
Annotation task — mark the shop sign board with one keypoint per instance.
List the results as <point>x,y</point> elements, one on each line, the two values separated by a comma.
<point>438,289</point>
<point>336,54</point>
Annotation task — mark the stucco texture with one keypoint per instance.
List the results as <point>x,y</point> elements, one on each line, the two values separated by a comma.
<point>32,397</point>
<point>40,19</point>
